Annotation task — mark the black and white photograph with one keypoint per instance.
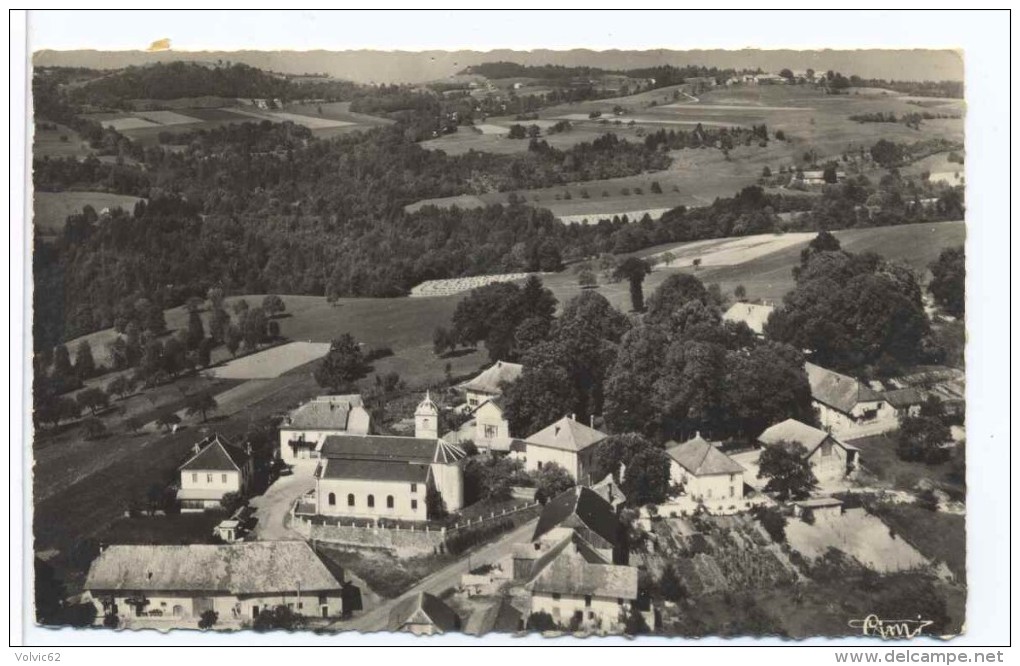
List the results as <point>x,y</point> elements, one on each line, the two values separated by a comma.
<point>497,344</point>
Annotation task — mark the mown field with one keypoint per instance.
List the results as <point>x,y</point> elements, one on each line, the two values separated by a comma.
<point>51,209</point>
<point>51,142</point>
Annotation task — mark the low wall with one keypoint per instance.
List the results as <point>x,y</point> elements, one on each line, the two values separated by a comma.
<point>402,542</point>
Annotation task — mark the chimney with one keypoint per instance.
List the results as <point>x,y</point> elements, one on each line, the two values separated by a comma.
<point>591,421</point>
<point>197,447</point>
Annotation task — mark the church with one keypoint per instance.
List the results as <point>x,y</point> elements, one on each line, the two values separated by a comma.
<point>387,476</point>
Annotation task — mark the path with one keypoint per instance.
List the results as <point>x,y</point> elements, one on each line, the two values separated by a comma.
<point>273,506</point>
<point>447,577</point>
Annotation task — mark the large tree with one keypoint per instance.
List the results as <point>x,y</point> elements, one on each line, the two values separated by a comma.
<point>646,477</point>
<point>343,364</point>
<point>492,314</point>
<point>765,385</point>
<point>923,439</point>
<point>550,481</point>
<point>634,270</point>
<point>948,281</point>
<point>200,403</point>
<point>540,396</point>
<point>84,364</point>
<point>787,469</point>
<point>629,384</point>
<point>674,292</point>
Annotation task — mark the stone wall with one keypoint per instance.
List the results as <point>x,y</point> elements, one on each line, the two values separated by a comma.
<point>401,542</point>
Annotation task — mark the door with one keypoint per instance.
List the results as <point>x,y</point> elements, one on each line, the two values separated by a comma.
<point>325,611</point>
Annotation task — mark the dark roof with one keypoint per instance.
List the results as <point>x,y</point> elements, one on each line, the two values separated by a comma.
<point>584,505</point>
<point>217,455</point>
<point>571,574</point>
<point>700,458</point>
<point>905,397</point>
<point>423,608</point>
<point>836,390</point>
<point>374,470</point>
<point>257,567</point>
<point>501,617</point>
<point>388,447</point>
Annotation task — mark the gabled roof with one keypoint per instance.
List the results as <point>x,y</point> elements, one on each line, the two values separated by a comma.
<point>792,430</point>
<point>609,490</point>
<point>567,435</point>
<point>256,567</point>
<point>836,390</point>
<point>217,455</point>
<point>423,608</point>
<point>501,617</point>
<point>700,458</point>
<point>328,412</point>
<point>374,470</point>
<point>752,314</point>
<point>905,397</point>
<point>571,574</point>
<point>583,505</point>
<point>491,379</point>
<point>390,447</point>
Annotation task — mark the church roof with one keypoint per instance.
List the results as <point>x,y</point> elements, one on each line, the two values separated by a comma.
<point>374,470</point>
<point>567,435</point>
<point>390,447</point>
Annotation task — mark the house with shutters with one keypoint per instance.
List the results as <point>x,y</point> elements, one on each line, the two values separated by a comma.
<point>384,476</point>
<point>217,467</point>
<point>305,428</point>
<point>567,443</point>
<point>488,428</point>
<point>846,407</point>
<point>707,475</point>
<point>830,459</point>
<point>172,586</point>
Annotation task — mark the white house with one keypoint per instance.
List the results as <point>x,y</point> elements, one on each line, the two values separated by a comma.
<point>304,430</point>
<point>176,584</point>
<point>707,475</point>
<point>830,459</point>
<point>752,314</point>
<point>217,467</point>
<point>567,443</point>
<point>488,429</point>
<point>847,407</point>
<point>489,383</point>
<point>384,476</point>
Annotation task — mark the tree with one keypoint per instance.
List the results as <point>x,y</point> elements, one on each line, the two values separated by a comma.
<point>634,271</point>
<point>167,421</point>
<point>280,617</point>
<point>121,385</point>
<point>786,73</point>
<point>93,399</point>
<point>923,439</point>
<point>200,403</point>
<point>491,478</point>
<point>441,340</point>
<point>586,279</point>
<point>764,385</point>
<point>231,502</point>
<point>233,339</point>
<point>343,364</point>
<point>196,330</point>
<point>696,262</point>
<point>207,619</point>
<point>273,329</point>
<point>240,306</point>
<point>668,257</point>
<point>253,328</point>
<point>948,281</point>
<point>670,585</point>
<point>517,132</point>
<point>829,174</point>
<point>92,428</point>
<point>635,624</point>
<point>550,481</point>
<point>787,469</point>
<point>111,620</point>
<point>62,362</point>
<point>215,296</point>
<point>132,424</point>
<point>740,293</point>
<point>773,521</point>
<point>646,478</point>
<point>674,292</point>
<point>84,364</point>
<point>541,621</point>
<point>273,305</point>
<point>204,356</point>
<point>219,320</point>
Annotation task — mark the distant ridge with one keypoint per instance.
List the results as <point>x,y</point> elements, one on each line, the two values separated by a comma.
<point>373,66</point>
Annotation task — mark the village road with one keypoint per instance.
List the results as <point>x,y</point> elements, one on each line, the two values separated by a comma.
<point>273,507</point>
<point>447,577</point>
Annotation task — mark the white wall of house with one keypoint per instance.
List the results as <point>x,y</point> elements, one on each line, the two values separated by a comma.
<point>475,398</point>
<point>577,463</point>
<point>709,487</point>
<point>408,499</point>
<point>490,425</point>
<point>597,612</point>
<point>449,481</point>
<point>871,417</point>
<point>187,607</point>
<point>220,483</point>
<point>829,462</point>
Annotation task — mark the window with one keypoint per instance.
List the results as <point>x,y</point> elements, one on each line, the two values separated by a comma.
<point>290,605</point>
<point>223,478</point>
<point>332,499</point>
<point>556,596</point>
<point>323,599</point>
<point>591,615</point>
<point>491,431</point>
<point>414,505</point>
<point>619,601</point>
<point>350,500</point>
<point>194,478</point>
<point>300,605</point>
<point>540,464</point>
<point>208,478</point>
<point>826,448</point>
<point>414,487</point>
<point>371,501</point>
<point>587,601</point>
<point>389,501</point>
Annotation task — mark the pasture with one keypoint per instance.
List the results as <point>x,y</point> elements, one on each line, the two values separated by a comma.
<point>58,142</point>
<point>51,209</point>
<point>858,534</point>
<point>272,362</point>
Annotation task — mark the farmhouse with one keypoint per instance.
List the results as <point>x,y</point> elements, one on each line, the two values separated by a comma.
<point>752,314</point>
<point>176,584</point>
<point>382,476</point>
<point>585,595</point>
<point>217,467</point>
<point>847,407</point>
<point>584,513</point>
<point>304,430</point>
<point>567,443</point>
<point>489,384</point>
<point>423,615</point>
<point>830,459</point>
<point>706,474</point>
<point>818,177</point>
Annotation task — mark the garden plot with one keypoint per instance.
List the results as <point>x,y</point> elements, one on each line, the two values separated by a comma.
<point>734,251</point>
<point>492,129</point>
<point>168,118</point>
<point>457,285</point>
<point>129,123</point>
<point>858,534</point>
<point>271,362</point>
<point>310,122</point>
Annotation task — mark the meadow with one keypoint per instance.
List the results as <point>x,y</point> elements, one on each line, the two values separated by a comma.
<point>51,209</point>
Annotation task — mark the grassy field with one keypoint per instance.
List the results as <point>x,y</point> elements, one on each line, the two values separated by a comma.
<point>937,535</point>
<point>880,459</point>
<point>50,143</point>
<point>51,209</point>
